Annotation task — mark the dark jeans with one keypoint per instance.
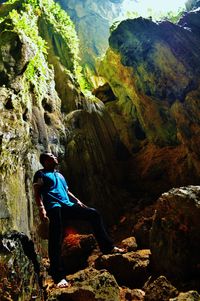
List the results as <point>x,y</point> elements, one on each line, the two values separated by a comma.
<point>57,219</point>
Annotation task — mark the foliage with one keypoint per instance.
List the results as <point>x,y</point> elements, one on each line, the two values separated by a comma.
<point>26,16</point>
<point>63,26</point>
<point>159,16</point>
<point>25,24</point>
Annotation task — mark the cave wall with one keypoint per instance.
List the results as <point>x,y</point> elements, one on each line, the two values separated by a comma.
<point>153,71</point>
<point>39,92</point>
<point>31,120</point>
<point>92,20</point>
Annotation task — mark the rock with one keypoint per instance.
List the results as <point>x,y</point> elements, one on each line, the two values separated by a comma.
<point>39,93</point>
<point>19,273</point>
<point>129,269</point>
<point>104,93</point>
<point>142,231</point>
<point>129,244</point>
<point>156,109</point>
<point>132,295</point>
<point>93,19</point>
<point>188,296</point>
<point>175,233</point>
<point>160,290</point>
<point>76,250</point>
<point>30,120</point>
<point>92,133</point>
<point>90,285</point>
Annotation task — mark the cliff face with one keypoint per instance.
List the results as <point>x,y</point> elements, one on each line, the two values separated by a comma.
<point>42,108</point>
<point>92,20</point>
<point>153,70</point>
<point>28,101</point>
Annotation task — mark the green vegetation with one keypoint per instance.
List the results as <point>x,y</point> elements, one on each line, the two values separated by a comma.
<point>63,25</point>
<point>168,16</point>
<point>25,17</point>
<point>25,24</point>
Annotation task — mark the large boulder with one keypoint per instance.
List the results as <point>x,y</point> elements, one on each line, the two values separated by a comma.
<point>130,269</point>
<point>160,290</point>
<point>76,250</point>
<point>187,296</point>
<point>90,285</point>
<point>175,241</point>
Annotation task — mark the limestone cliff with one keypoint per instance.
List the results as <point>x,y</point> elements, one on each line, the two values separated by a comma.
<point>93,20</point>
<point>43,108</point>
<point>153,70</point>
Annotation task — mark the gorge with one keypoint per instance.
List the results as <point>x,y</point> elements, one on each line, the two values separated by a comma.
<point>126,147</point>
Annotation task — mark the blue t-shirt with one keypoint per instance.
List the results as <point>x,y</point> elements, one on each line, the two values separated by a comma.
<point>53,188</point>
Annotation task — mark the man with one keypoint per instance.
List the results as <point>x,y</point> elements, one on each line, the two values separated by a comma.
<point>58,204</point>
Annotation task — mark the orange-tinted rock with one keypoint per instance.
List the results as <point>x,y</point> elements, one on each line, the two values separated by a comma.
<point>129,244</point>
<point>76,250</point>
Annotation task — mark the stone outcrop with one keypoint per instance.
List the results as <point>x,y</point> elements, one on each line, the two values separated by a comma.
<point>76,250</point>
<point>96,13</point>
<point>174,240</point>
<point>90,285</point>
<point>91,161</point>
<point>130,269</point>
<point>93,20</point>
<point>160,289</point>
<point>188,296</point>
<point>151,143</point>
<point>30,118</point>
<point>153,70</point>
<point>42,108</point>
<point>19,269</point>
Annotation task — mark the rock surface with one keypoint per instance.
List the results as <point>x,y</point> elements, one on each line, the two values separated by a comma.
<point>160,290</point>
<point>42,108</point>
<point>188,296</point>
<point>90,16</point>
<point>19,269</point>
<point>130,269</point>
<point>76,250</point>
<point>175,233</point>
<point>153,70</point>
<point>90,285</point>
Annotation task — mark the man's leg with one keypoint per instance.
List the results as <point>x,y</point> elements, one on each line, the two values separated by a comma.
<point>55,243</point>
<point>94,218</point>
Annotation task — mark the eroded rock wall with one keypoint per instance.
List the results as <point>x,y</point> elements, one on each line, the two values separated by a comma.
<point>153,71</point>
<point>39,93</point>
<point>27,92</point>
<point>93,20</point>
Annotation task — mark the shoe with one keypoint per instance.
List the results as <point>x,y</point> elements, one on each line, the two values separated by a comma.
<point>117,250</point>
<point>62,284</point>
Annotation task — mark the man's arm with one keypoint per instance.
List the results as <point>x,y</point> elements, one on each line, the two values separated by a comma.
<point>39,202</point>
<point>76,199</point>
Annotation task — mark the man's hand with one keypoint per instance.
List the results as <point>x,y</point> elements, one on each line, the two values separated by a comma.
<point>81,204</point>
<point>76,200</point>
<point>43,214</point>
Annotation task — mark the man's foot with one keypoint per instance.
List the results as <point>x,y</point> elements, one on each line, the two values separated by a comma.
<point>114,250</point>
<point>62,284</point>
<point>117,250</point>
